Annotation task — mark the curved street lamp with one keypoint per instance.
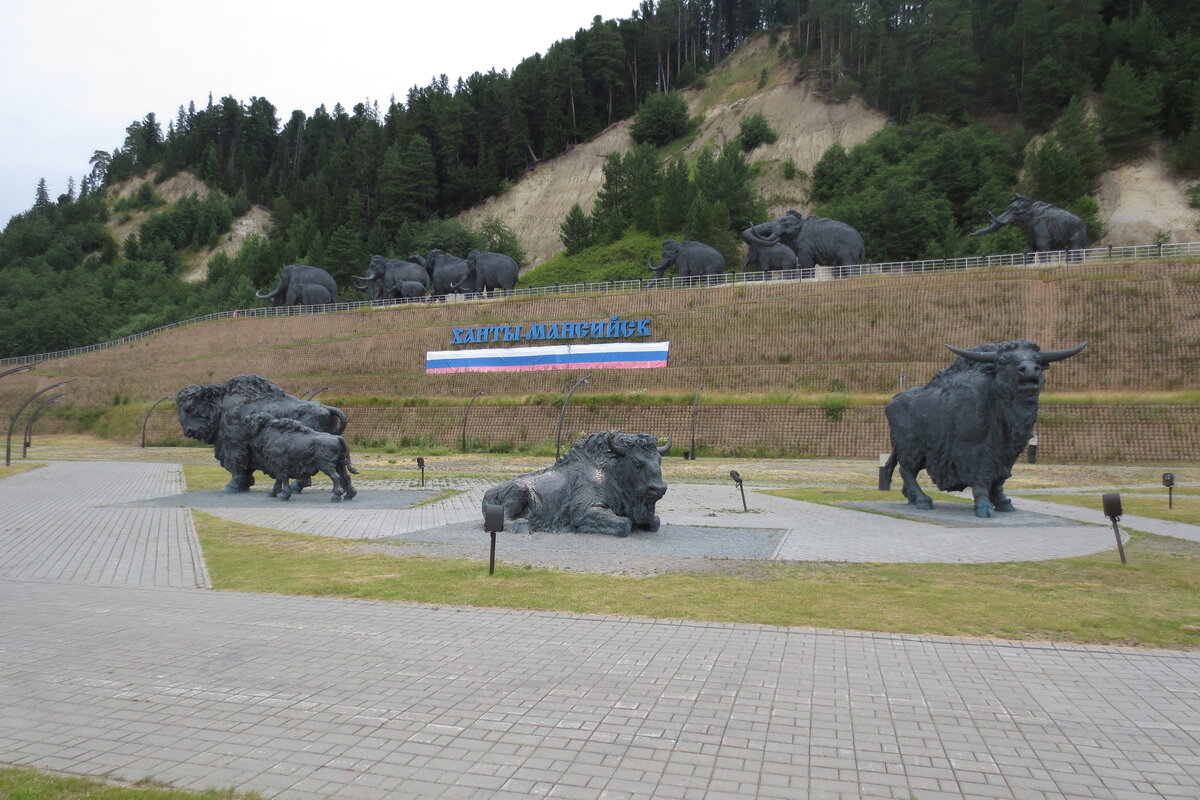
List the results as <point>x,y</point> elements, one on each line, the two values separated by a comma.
<point>19,369</point>
<point>162,399</point>
<point>465,413</point>
<point>311,393</point>
<point>563,412</point>
<point>13,421</point>
<point>29,425</point>
<point>695,405</point>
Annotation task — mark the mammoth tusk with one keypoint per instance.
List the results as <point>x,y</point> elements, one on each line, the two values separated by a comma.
<point>665,448</point>
<point>650,264</point>
<point>1059,355</point>
<point>266,296</point>
<point>972,355</point>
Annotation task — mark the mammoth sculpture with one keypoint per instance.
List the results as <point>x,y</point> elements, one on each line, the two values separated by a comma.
<point>770,258</point>
<point>446,272</point>
<point>216,414</point>
<point>389,278</point>
<point>1046,227</point>
<point>286,449</point>
<point>487,272</point>
<point>694,260</point>
<point>814,240</point>
<point>608,482</point>
<point>294,279</point>
<point>967,426</point>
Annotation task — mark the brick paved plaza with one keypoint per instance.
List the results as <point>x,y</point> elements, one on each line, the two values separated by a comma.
<point>117,659</point>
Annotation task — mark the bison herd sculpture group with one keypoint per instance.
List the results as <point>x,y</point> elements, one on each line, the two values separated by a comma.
<point>966,428</point>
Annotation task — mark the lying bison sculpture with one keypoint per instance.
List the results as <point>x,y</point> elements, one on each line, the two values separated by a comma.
<point>289,450</point>
<point>216,414</point>
<point>967,426</point>
<point>608,482</point>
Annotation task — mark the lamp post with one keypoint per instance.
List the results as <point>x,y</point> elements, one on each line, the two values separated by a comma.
<point>563,412</point>
<point>465,413</point>
<point>18,369</point>
<point>737,479</point>
<point>695,406</point>
<point>1169,482</point>
<point>493,521</point>
<point>32,417</point>
<point>1112,510</point>
<point>13,421</point>
<point>162,399</point>
<point>311,393</point>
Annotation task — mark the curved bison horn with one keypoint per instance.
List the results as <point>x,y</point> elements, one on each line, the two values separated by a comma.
<point>972,355</point>
<point>612,444</point>
<point>662,451</point>
<point>1059,355</point>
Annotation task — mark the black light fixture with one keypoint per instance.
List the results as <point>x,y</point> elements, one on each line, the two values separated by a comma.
<point>737,479</point>
<point>1112,510</point>
<point>493,521</point>
<point>421,466</point>
<point>1031,449</point>
<point>1169,482</point>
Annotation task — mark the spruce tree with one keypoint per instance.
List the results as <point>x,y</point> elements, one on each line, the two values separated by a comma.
<point>576,231</point>
<point>1127,112</point>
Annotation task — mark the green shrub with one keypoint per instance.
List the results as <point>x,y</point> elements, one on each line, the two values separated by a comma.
<point>755,131</point>
<point>662,118</point>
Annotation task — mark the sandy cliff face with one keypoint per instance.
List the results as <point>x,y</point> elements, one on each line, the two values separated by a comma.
<point>807,125</point>
<point>1142,200</point>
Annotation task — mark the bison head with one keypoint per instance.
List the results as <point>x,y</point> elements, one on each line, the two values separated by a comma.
<point>1017,366</point>
<point>638,467</point>
<point>200,411</point>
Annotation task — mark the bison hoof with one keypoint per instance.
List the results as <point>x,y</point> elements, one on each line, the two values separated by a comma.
<point>983,510</point>
<point>335,499</point>
<point>1005,507</point>
<point>351,494</point>
<point>286,497</point>
<point>923,503</point>
<point>233,488</point>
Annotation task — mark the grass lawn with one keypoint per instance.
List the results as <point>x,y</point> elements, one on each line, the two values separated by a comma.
<point>1090,599</point>
<point>18,783</point>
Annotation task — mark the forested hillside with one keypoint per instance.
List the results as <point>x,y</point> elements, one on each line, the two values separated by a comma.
<point>968,84</point>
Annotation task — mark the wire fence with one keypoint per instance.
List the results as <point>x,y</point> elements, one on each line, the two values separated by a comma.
<point>1166,251</point>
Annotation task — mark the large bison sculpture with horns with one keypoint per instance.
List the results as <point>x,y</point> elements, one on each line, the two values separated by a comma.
<point>218,414</point>
<point>608,482</point>
<point>967,426</point>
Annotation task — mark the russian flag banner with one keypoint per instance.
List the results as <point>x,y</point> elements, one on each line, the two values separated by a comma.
<point>615,355</point>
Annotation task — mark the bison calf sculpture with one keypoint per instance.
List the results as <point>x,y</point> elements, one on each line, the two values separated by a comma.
<point>289,450</point>
<point>608,483</point>
<point>967,426</point>
<point>216,414</point>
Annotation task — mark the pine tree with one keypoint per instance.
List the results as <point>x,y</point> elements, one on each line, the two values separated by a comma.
<point>1127,112</point>
<point>419,179</point>
<point>41,200</point>
<point>576,231</point>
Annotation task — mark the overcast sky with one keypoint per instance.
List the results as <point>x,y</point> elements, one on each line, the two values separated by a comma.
<point>75,73</point>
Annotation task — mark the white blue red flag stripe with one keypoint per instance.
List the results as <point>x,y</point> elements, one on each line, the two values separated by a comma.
<point>614,355</point>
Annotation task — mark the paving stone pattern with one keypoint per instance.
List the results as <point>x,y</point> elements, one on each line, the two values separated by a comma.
<point>115,670</point>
